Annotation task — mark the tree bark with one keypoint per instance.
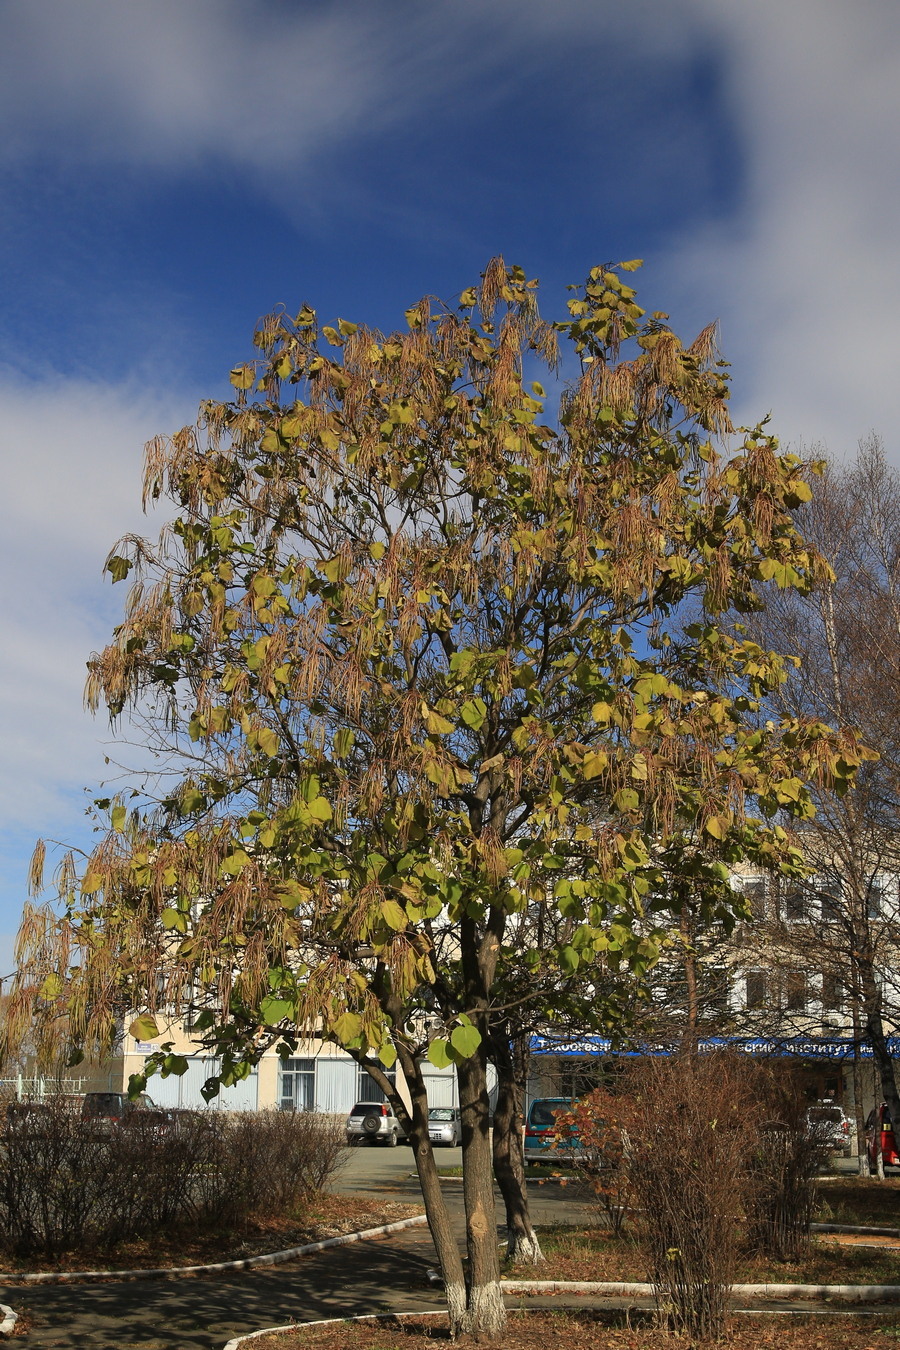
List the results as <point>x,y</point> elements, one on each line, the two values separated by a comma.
<point>689,1042</point>
<point>486,1313</point>
<point>858,1112</point>
<point>509,1166</point>
<point>439,1224</point>
<point>875,1035</point>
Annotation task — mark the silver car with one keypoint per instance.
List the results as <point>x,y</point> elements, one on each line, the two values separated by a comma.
<point>373,1123</point>
<point>444,1126</point>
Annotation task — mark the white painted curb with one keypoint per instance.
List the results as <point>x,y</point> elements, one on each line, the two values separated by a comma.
<point>611,1288</point>
<point>328,1322</point>
<point>10,1318</point>
<point>246,1263</point>
<point>845,1293</point>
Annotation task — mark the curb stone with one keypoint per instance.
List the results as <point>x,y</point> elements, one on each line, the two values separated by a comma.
<point>10,1318</point>
<point>864,1230</point>
<point>844,1293</point>
<point>238,1341</point>
<point>559,1286</point>
<point>245,1263</point>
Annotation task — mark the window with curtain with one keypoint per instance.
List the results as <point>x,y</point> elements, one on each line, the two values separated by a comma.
<point>298,1085</point>
<point>367,1090</point>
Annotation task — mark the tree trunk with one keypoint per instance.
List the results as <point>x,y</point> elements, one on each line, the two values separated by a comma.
<point>862,1162</point>
<point>875,1035</point>
<point>509,1166</point>
<point>879,1156</point>
<point>486,1313</point>
<point>439,1224</point>
<point>689,1037</point>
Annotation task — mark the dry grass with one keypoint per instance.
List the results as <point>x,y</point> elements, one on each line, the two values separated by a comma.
<point>586,1331</point>
<point>329,1216</point>
<point>595,1255</point>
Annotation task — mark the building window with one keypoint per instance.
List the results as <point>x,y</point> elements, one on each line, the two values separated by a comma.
<point>754,892</point>
<point>875,898</point>
<point>795,991</point>
<point>830,899</point>
<point>832,992</point>
<point>757,989</point>
<point>298,1085</point>
<point>794,904</point>
<point>367,1090</point>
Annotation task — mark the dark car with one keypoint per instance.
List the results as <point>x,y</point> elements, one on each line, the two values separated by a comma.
<point>115,1109</point>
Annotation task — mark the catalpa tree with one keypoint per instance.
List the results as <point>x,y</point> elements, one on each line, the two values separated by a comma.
<point>412,658</point>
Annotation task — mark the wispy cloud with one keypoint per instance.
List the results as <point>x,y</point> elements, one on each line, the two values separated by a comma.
<point>801,259</point>
<point>266,86</point>
<point>806,273</point>
<point>72,456</point>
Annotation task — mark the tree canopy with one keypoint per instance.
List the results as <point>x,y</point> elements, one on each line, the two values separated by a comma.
<point>412,657</point>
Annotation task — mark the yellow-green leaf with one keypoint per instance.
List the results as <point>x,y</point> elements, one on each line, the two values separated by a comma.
<point>242,377</point>
<point>394,915</point>
<point>268,741</point>
<point>144,1028</point>
<point>388,1055</point>
<point>320,809</point>
<point>439,1054</point>
<point>594,764</point>
<point>347,1027</point>
<point>465,1040</point>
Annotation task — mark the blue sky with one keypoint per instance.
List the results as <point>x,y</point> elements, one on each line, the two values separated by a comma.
<point>169,171</point>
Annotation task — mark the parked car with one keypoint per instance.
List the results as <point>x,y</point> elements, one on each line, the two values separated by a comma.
<point>540,1131</point>
<point>111,1110</point>
<point>880,1118</point>
<point>373,1123</point>
<point>444,1126</point>
<point>832,1125</point>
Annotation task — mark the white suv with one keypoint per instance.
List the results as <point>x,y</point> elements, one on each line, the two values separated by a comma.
<point>374,1122</point>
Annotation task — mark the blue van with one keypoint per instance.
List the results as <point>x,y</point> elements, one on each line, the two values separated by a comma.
<point>540,1130</point>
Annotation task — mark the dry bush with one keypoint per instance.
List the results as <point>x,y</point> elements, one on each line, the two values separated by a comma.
<point>687,1148</point>
<point>595,1131</point>
<point>783,1167</point>
<point>273,1161</point>
<point>72,1184</point>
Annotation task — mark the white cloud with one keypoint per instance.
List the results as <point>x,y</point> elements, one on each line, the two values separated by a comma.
<point>266,87</point>
<point>72,459</point>
<point>805,273</point>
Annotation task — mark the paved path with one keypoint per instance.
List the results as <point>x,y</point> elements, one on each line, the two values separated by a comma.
<point>380,1275</point>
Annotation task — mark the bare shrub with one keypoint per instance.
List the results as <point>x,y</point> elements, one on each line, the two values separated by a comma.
<point>594,1133</point>
<point>783,1165</point>
<point>56,1187</point>
<point>687,1149</point>
<point>67,1183</point>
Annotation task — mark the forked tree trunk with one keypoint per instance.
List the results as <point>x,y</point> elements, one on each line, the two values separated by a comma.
<point>509,1167</point>
<point>485,1311</point>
